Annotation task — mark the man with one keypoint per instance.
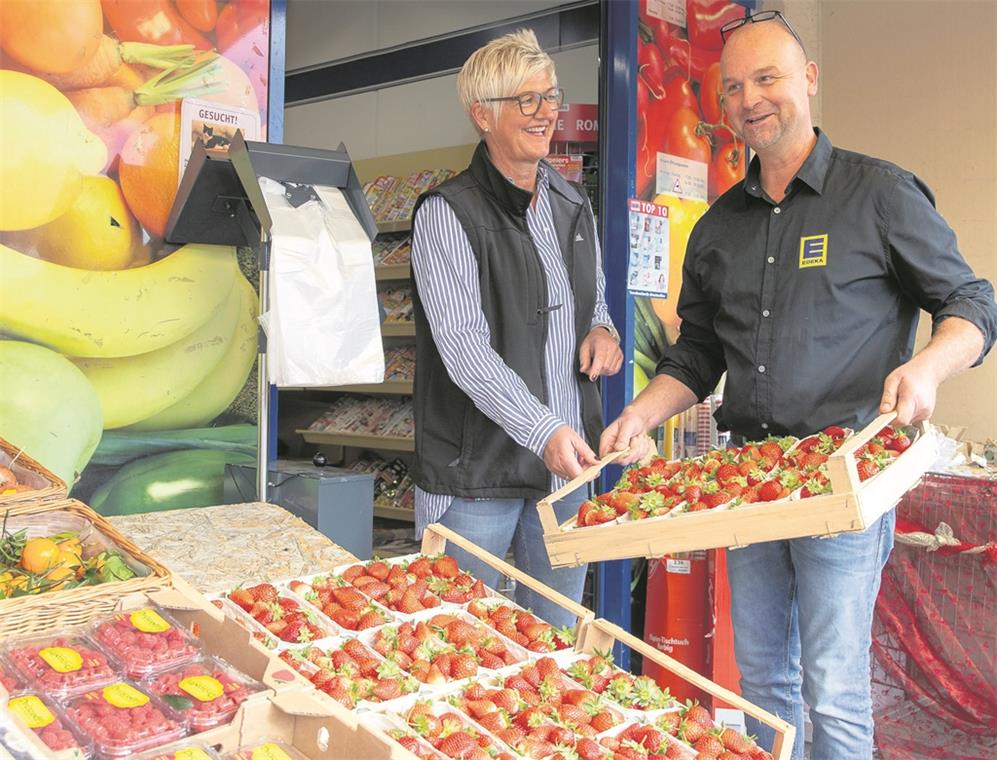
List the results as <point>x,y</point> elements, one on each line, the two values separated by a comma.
<point>804,285</point>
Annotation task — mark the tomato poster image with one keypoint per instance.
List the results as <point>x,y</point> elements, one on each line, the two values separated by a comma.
<point>125,363</point>
<point>687,154</point>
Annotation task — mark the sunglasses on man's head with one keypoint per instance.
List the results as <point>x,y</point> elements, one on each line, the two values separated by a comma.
<point>731,26</point>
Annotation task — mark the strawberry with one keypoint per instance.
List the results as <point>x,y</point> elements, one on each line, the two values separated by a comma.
<point>771,490</point>
<point>344,617</point>
<point>622,501</point>
<point>409,603</point>
<point>378,570</point>
<point>463,666</point>
<point>421,567</point>
<point>603,720</point>
<point>690,731</point>
<point>264,592</point>
<point>600,515</point>
<point>834,431</point>
<point>376,590</point>
<point>243,598</point>
<point>737,743</point>
<point>353,572</point>
<point>494,721</point>
<point>867,468</point>
<point>587,506</point>
<point>587,749</point>
<point>477,708</point>
<point>709,744</point>
<point>899,443</point>
<point>492,661</point>
<point>387,688</point>
<point>696,712</point>
<point>445,567</point>
<point>457,745</point>
<point>370,619</point>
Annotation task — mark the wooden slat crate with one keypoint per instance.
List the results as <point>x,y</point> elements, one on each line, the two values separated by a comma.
<point>434,541</point>
<point>600,636</point>
<point>852,505</point>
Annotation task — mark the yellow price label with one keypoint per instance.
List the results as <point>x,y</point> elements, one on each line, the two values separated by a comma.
<point>269,752</point>
<point>149,621</point>
<point>31,710</point>
<point>191,753</point>
<point>62,659</point>
<point>124,695</point>
<point>202,688</point>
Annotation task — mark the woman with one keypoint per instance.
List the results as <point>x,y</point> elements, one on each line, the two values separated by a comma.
<point>512,326</point>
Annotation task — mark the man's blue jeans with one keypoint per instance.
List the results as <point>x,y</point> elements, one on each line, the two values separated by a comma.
<point>802,612</point>
<point>497,524</point>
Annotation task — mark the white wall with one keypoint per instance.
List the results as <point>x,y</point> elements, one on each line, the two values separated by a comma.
<point>319,31</point>
<point>416,116</point>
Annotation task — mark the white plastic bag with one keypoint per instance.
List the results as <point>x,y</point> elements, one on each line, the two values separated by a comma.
<point>323,324</point>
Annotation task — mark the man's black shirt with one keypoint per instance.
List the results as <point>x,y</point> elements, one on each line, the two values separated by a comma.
<point>809,304</point>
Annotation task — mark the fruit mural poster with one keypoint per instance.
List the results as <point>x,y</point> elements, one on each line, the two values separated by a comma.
<point>686,153</point>
<point>126,364</point>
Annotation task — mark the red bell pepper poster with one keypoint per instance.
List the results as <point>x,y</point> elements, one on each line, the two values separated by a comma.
<point>687,155</point>
<point>126,362</point>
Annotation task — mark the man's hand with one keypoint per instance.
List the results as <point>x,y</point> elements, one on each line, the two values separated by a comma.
<point>567,454</point>
<point>910,390</point>
<point>600,354</point>
<point>627,430</point>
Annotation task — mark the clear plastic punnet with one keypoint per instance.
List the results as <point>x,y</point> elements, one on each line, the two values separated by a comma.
<point>62,665</point>
<point>123,719</point>
<point>147,641</point>
<point>207,692</point>
<point>10,679</point>
<point>42,715</point>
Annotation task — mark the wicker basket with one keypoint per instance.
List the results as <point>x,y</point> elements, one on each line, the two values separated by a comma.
<point>44,484</point>
<point>77,606</point>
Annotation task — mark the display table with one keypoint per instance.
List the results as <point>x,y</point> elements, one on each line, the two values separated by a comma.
<point>217,548</point>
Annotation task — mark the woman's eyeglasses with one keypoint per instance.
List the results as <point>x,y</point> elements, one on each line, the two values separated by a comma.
<point>529,102</point>
<point>727,29</point>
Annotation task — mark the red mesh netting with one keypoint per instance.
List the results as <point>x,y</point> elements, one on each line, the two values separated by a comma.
<point>935,631</point>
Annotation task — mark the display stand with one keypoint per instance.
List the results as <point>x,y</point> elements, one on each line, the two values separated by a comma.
<point>219,202</point>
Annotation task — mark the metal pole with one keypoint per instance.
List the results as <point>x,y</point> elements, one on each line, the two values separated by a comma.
<point>263,378</point>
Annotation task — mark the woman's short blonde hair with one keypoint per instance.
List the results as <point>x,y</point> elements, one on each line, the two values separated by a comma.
<point>498,69</point>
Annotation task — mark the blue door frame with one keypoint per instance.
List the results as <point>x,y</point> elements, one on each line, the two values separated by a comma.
<point>617,159</point>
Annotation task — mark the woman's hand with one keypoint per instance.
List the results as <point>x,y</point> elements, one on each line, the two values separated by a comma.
<point>566,453</point>
<point>600,354</point>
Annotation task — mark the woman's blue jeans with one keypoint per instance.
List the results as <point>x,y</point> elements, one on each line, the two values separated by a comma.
<point>498,524</point>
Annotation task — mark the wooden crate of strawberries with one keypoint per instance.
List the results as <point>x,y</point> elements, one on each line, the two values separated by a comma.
<point>686,732</point>
<point>827,483</point>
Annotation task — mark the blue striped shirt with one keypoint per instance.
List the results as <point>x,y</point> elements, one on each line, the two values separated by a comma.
<point>447,275</point>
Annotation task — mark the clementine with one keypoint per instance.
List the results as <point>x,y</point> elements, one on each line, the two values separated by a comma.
<point>149,170</point>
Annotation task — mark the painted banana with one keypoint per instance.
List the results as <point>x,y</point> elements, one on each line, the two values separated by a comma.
<point>132,388</point>
<point>214,394</point>
<point>78,312</point>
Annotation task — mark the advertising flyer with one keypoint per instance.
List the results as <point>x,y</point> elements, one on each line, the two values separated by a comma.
<point>647,268</point>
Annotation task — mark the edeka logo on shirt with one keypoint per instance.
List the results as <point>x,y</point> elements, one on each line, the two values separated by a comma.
<point>813,251</point>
